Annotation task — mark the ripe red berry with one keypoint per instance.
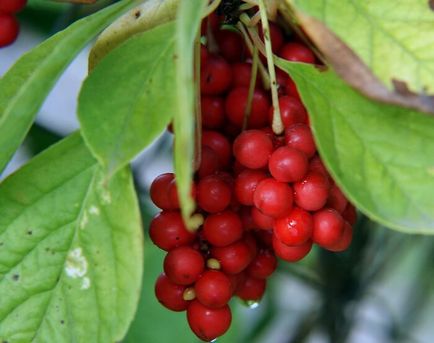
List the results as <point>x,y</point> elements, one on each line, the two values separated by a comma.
<point>213,194</point>
<point>207,323</point>
<point>261,220</point>
<point>291,253</point>
<point>236,103</point>
<point>183,265</point>
<point>213,112</point>
<point>297,52</point>
<point>345,241</point>
<point>252,289</point>
<point>242,73</point>
<point>316,164</point>
<point>299,136</point>
<point>213,289</point>
<point>219,143</point>
<point>350,214</point>
<point>203,55</point>
<point>337,199</point>
<point>311,193</point>
<point>276,37</point>
<point>231,45</point>
<point>287,164</point>
<point>9,29</point>
<point>167,231</point>
<point>273,198</point>
<point>328,227</point>
<point>12,6</point>
<point>209,162</point>
<point>233,258</point>
<point>294,229</point>
<point>292,111</point>
<point>223,228</point>
<point>215,76</point>
<point>263,265</point>
<point>245,185</point>
<point>252,148</point>
<point>169,294</point>
<point>160,191</point>
<point>173,194</point>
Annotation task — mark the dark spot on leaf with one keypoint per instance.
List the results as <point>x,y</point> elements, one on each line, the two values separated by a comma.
<point>47,249</point>
<point>5,342</point>
<point>175,56</point>
<point>30,232</point>
<point>137,14</point>
<point>1,244</point>
<point>15,277</point>
<point>431,4</point>
<point>62,322</point>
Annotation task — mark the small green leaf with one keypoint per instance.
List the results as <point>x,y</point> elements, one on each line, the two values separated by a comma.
<point>394,38</point>
<point>25,86</point>
<point>187,28</point>
<point>71,250</point>
<point>381,155</point>
<point>129,98</point>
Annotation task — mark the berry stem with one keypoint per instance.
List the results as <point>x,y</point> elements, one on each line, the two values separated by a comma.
<point>211,8</point>
<point>252,84</point>
<point>277,124</point>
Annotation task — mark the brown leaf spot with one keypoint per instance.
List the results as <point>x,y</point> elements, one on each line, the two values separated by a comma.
<point>137,14</point>
<point>431,4</point>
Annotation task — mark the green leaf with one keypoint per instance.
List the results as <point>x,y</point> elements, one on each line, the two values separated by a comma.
<point>71,251</point>
<point>381,155</point>
<point>129,98</point>
<point>24,87</point>
<point>187,28</point>
<point>394,38</point>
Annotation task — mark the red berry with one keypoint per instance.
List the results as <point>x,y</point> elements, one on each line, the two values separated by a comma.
<point>223,228</point>
<point>12,6</point>
<point>160,191</point>
<point>328,227</point>
<point>209,162</point>
<point>263,265</point>
<point>215,76</point>
<point>245,185</point>
<point>345,241</point>
<point>173,194</point>
<point>236,103</point>
<point>276,37</point>
<point>273,198</point>
<point>213,194</point>
<point>213,289</point>
<point>246,218</point>
<point>337,199</point>
<point>231,45</point>
<point>261,220</point>
<point>203,55</point>
<point>297,52</point>
<point>207,323</point>
<point>311,193</point>
<point>287,164</point>
<point>350,214</point>
<point>252,148</point>
<point>167,231</point>
<point>295,229</point>
<point>9,29</point>
<point>317,165</point>
<point>213,112</point>
<point>183,265</point>
<point>219,143</point>
<point>291,88</point>
<point>299,136</point>
<point>242,73</point>
<point>250,240</point>
<point>169,294</point>
<point>292,111</point>
<point>291,253</point>
<point>233,258</point>
<point>252,289</point>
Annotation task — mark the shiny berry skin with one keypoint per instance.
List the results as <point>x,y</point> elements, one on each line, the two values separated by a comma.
<point>222,229</point>
<point>213,112</point>
<point>215,76</point>
<point>169,294</point>
<point>219,143</point>
<point>337,199</point>
<point>292,111</point>
<point>183,265</point>
<point>299,136</point>
<point>213,194</point>
<point>167,231</point>
<point>345,240</point>
<point>328,227</point>
<point>12,6</point>
<point>245,185</point>
<point>207,323</point>
<point>209,162</point>
<point>233,258</point>
<point>252,289</point>
<point>263,265</point>
<point>297,52</point>
<point>273,198</point>
<point>231,45</point>
<point>9,29</point>
<point>312,192</point>
<point>252,148</point>
<point>294,229</point>
<point>160,191</point>
<point>316,164</point>
<point>350,214</point>
<point>291,253</point>
<point>261,220</point>
<point>236,103</point>
<point>287,164</point>
<point>213,289</point>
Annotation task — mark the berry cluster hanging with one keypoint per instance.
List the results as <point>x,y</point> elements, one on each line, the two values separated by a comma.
<point>9,26</point>
<point>262,195</point>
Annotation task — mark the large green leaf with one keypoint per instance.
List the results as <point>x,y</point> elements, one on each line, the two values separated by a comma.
<point>24,87</point>
<point>129,98</point>
<point>71,251</point>
<point>381,155</point>
<point>188,25</point>
<point>394,38</point>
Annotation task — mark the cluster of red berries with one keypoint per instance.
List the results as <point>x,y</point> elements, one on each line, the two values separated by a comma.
<point>261,195</point>
<point>9,26</point>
